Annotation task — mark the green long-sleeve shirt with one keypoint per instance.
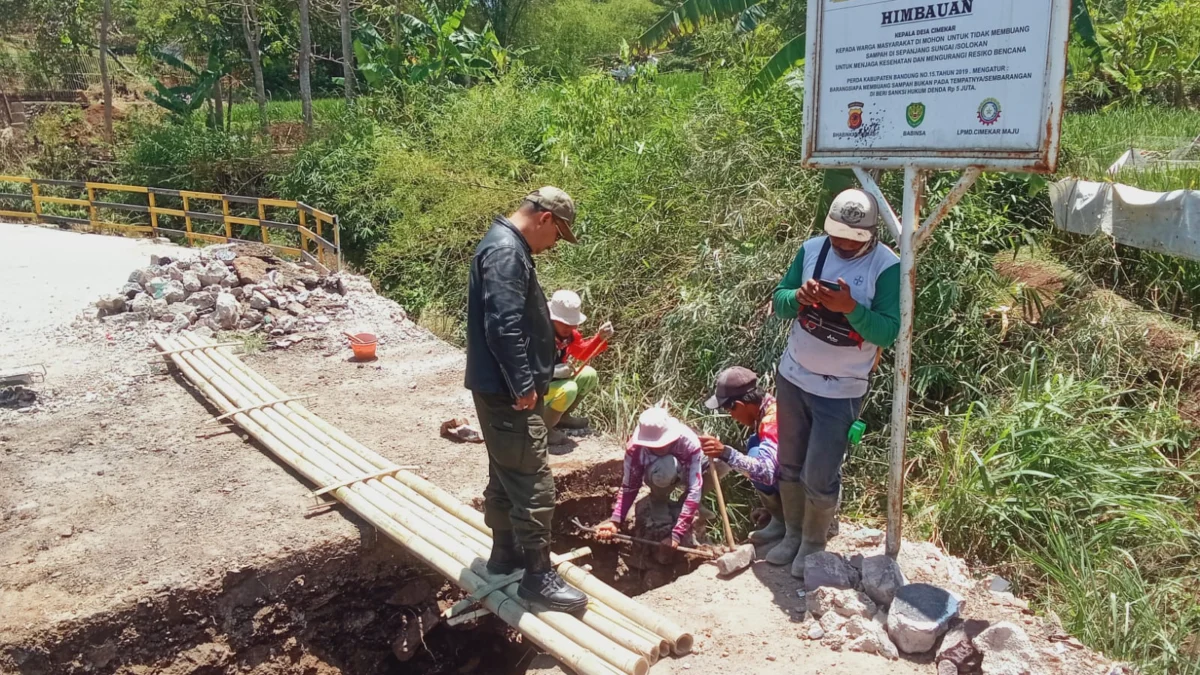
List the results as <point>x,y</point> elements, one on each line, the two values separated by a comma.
<point>877,324</point>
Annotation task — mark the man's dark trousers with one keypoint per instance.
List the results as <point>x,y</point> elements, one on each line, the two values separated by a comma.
<point>520,492</point>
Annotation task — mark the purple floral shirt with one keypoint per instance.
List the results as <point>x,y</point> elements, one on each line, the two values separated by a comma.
<point>687,450</point>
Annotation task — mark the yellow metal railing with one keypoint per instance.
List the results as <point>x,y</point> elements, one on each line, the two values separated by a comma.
<point>305,238</point>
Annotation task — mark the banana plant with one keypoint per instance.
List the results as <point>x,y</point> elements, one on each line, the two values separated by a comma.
<point>435,47</point>
<point>182,100</point>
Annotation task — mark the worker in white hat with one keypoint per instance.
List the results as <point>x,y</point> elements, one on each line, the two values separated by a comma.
<point>574,378</point>
<point>843,290</point>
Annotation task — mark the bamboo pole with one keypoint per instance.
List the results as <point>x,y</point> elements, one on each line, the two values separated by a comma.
<point>615,644</point>
<point>679,639</point>
<point>360,463</point>
<point>626,659</point>
<point>560,646</point>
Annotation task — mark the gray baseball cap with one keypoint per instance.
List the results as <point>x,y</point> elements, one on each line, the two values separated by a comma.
<point>853,215</point>
<point>558,202</point>
<point>732,384</point>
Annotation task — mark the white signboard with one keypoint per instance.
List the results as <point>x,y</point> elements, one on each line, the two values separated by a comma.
<point>936,84</point>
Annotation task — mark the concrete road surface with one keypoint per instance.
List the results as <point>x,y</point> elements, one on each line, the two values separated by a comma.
<point>48,276</point>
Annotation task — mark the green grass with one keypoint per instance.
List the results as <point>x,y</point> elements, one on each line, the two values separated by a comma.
<point>1093,141</point>
<point>246,113</point>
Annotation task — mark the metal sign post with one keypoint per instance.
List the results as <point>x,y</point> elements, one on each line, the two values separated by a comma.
<point>925,85</point>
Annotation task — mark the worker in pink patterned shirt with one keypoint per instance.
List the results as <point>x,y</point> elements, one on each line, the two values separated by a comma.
<point>664,453</point>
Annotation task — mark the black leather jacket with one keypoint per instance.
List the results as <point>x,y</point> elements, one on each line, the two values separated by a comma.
<point>510,340</point>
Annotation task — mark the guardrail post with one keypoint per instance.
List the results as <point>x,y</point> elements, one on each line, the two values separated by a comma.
<point>37,200</point>
<point>91,197</point>
<point>187,221</point>
<point>153,212</point>
<point>225,210</point>
<point>262,215</point>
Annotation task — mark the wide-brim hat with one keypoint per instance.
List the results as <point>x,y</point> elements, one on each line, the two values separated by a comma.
<point>565,306</point>
<point>657,429</point>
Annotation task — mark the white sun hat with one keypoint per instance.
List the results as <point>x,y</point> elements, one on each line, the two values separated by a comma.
<point>853,215</point>
<point>565,306</point>
<point>657,429</point>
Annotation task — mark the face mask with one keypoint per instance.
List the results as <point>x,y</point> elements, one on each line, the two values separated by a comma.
<point>865,249</point>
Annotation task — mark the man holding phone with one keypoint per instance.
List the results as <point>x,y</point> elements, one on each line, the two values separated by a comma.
<point>843,290</point>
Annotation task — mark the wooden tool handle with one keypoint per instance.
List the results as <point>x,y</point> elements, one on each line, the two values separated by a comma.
<point>712,469</point>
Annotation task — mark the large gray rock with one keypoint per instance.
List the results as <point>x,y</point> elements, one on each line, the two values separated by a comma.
<point>131,289</point>
<point>191,282</point>
<point>142,303</point>
<point>1006,650</point>
<point>183,309</point>
<point>227,311</point>
<point>259,301</point>
<point>828,569</point>
<point>845,601</point>
<point>919,615</point>
<point>174,272</point>
<point>881,578</point>
<point>213,273</point>
<point>174,292</point>
<point>202,300</point>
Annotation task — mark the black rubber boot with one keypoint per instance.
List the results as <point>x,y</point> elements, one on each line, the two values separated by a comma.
<point>542,584</point>
<point>505,558</point>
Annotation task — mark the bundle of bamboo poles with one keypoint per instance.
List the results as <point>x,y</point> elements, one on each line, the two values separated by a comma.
<point>615,634</point>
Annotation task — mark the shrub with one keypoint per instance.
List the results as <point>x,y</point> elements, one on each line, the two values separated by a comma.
<point>568,37</point>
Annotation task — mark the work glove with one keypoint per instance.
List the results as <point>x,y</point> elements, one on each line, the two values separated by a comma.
<point>563,371</point>
<point>606,331</point>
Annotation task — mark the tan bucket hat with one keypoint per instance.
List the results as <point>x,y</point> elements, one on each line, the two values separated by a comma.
<point>565,306</point>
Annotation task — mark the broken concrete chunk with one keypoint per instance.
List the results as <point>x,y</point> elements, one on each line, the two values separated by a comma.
<point>111,304</point>
<point>141,303</point>
<point>202,300</point>
<point>249,270</point>
<point>881,578</point>
<point>227,311</point>
<point>175,273</point>
<point>130,290</point>
<point>827,569</point>
<point>180,322</point>
<point>259,301</point>
<point>919,615</point>
<point>957,647</point>
<point>1006,650</point>
<point>229,281</point>
<point>174,292</point>
<point>213,273</point>
<point>736,560</point>
<point>870,637</point>
<point>296,309</point>
<point>845,601</point>
<point>191,282</point>
<point>832,622</point>
<point>947,668</point>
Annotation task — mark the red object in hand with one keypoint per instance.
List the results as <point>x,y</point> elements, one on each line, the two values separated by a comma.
<point>582,350</point>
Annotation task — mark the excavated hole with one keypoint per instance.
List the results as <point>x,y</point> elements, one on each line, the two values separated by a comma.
<point>338,609</point>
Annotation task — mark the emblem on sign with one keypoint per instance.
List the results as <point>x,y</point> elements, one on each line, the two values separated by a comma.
<point>989,111</point>
<point>855,120</point>
<point>915,114</point>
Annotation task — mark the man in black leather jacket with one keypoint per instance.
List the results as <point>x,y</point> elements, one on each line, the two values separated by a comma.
<point>510,359</point>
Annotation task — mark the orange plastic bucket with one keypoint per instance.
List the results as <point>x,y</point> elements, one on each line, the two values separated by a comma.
<point>364,346</point>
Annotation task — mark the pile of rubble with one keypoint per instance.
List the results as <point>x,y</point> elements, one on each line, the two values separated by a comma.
<point>865,604</point>
<point>225,288</point>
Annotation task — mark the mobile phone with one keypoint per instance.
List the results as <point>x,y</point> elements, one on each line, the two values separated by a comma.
<point>831,285</point>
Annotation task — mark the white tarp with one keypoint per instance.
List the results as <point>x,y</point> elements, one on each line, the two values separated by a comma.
<point>1165,222</point>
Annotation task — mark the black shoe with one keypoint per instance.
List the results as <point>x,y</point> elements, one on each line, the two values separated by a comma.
<point>542,584</point>
<point>505,558</point>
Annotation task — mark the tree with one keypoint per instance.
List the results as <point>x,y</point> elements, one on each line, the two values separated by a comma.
<point>105,21</point>
<point>253,34</point>
<point>305,60</point>
<point>347,49</point>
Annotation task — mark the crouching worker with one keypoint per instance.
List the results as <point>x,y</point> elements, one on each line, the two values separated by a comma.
<point>573,378</point>
<point>737,392</point>
<point>664,454</point>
